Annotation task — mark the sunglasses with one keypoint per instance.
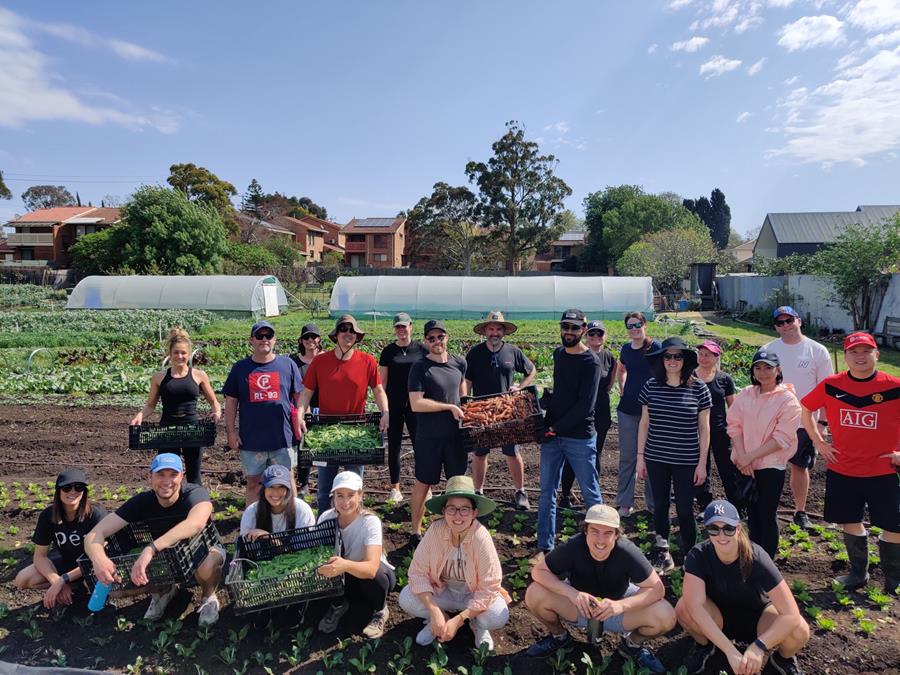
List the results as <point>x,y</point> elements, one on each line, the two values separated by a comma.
<point>78,487</point>
<point>436,338</point>
<point>345,328</point>
<point>714,531</point>
<point>570,327</point>
<point>595,333</point>
<point>264,335</point>
<point>461,510</point>
<point>635,325</point>
<point>785,322</point>
<point>673,357</point>
<point>309,336</point>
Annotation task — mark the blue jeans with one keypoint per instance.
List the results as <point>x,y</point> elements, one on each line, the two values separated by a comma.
<point>580,453</point>
<point>326,478</point>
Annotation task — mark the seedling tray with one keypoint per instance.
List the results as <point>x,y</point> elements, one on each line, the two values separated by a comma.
<point>150,436</point>
<point>174,565</point>
<point>254,595</point>
<point>525,429</point>
<point>307,457</point>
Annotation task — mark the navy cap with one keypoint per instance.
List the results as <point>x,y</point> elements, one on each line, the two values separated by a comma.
<point>721,511</point>
<point>596,325</point>
<point>70,476</point>
<point>765,356</point>
<point>434,324</point>
<point>573,316</point>
<point>310,329</point>
<point>276,475</point>
<point>166,460</point>
<point>259,325</point>
<point>785,309</point>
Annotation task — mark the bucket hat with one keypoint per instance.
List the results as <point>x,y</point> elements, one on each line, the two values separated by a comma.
<point>461,486</point>
<point>690,354</point>
<point>347,318</point>
<point>495,316</point>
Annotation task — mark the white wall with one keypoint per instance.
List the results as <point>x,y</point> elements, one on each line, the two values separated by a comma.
<point>815,303</point>
<point>890,306</point>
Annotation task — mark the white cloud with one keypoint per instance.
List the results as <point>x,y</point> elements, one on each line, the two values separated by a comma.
<point>561,127</point>
<point>742,117</point>
<point>30,92</point>
<point>652,48</point>
<point>693,44</point>
<point>747,23</point>
<point>753,69</point>
<point>875,15</point>
<point>718,65</point>
<point>812,31</point>
<point>85,38</point>
<point>780,3</point>
<point>133,52</point>
<point>849,119</point>
<point>884,39</point>
<point>791,80</point>
<point>679,4</point>
<point>723,15</point>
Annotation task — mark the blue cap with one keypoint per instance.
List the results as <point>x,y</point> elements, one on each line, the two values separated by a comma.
<point>596,325</point>
<point>721,511</point>
<point>166,460</point>
<point>261,324</point>
<point>786,309</point>
<point>276,475</point>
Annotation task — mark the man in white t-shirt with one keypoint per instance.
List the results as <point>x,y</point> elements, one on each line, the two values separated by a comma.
<point>804,363</point>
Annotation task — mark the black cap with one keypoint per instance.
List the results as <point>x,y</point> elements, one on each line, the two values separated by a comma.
<point>573,316</point>
<point>310,328</point>
<point>434,324</point>
<point>70,476</point>
<point>765,356</point>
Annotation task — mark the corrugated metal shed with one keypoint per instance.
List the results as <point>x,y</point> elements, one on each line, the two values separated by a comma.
<point>572,236</point>
<point>823,227</point>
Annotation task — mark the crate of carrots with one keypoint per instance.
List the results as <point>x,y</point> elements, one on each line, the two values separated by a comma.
<point>336,440</point>
<point>502,419</point>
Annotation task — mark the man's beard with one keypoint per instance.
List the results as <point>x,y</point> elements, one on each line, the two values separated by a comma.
<point>570,340</point>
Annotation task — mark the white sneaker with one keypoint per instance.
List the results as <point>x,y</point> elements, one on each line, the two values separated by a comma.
<point>396,496</point>
<point>482,636</point>
<point>209,611</point>
<point>425,636</point>
<point>159,602</point>
<point>625,511</point>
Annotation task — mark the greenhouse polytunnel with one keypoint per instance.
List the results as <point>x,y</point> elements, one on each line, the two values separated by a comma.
<point>257,295</point>
<point>537,297</point>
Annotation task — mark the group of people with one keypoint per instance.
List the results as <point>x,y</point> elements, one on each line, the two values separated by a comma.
<point>677,413</point>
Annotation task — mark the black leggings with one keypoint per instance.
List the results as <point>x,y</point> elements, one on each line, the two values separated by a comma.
<point>400,413</point>
<point>369,594</point>
<point>663,477</point>
<point>568,476</point>
<point>720,450</point>
<point>193,458</point>
<point>762,515</point>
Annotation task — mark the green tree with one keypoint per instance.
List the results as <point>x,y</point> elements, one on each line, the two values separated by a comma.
<point>519,196</point>
<point>5,192</point>
<point>859,263</point>
<point>249,259</point>
<point>569,221</point>
<point>667,256</point>
<point>252,198</point>
<point>284,250</point>
<point>714,213</point>
<point>202,185</point>
<point>796,263</point>
<point>99,253</point>
<point>46,197</point>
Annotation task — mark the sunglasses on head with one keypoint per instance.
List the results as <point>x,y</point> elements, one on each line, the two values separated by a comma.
<point>673,357</point>
<point>715,530</point>
<point>345,328</point>
<point>785,322</point>
<point>635,325</point>
<point>78,487</point>
<point>570,327</point>
<point>436,338</point>
<point>264,335</point>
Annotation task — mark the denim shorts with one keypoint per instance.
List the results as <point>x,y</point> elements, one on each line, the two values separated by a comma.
<point>613,625</point>
<point>255,463</point>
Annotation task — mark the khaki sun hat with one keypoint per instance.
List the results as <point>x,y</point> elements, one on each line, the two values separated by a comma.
<point>602,514</point>
<point>347,318</point>
<point>495,316</point>
<point>461,486</point>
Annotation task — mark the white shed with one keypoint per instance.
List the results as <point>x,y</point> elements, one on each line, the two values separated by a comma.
<point>258,295</point>
<point>526,297</point>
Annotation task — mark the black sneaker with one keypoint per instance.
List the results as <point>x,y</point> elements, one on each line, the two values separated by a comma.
<point>414,539</point>
<point>642,656</point>
<point>662,561</point>
<point>697,656</point>
<point>564,502</point>
<point>547,645</point>
<point>785,666</point>
<point>802,520</point>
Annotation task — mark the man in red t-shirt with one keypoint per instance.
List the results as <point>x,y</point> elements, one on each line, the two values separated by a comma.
<point>342,376</point>
<point>863,410</point>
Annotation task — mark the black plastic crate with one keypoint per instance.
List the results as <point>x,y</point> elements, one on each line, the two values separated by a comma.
<point>174,565</point>
<point>528,429</point>
<point>341,457</point>
<point>254,595</point>
<point>151,436</point>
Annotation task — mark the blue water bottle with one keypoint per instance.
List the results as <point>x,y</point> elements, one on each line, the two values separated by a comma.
<point>98,597</point>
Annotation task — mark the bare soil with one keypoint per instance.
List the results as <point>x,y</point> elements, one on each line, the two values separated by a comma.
<point>37,440</point>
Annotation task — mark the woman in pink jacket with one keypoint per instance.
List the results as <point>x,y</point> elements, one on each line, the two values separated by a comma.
<point>455,568</point>
<point>762,424</point>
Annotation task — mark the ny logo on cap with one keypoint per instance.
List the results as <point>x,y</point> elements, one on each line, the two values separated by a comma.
<point>719,509</point>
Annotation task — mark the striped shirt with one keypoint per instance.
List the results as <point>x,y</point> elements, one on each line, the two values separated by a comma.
<point>674,437</point>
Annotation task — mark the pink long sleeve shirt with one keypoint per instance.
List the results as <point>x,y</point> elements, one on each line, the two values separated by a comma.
<point>755,418</point>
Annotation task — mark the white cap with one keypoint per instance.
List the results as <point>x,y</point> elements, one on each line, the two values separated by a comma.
<point>346,479</point>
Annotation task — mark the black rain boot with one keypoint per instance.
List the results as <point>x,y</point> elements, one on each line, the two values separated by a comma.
<point>890,565</point>
<point>858,552</point>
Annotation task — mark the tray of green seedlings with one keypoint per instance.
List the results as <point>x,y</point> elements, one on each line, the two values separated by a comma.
<point>282,569</point>
<point>336,440</point>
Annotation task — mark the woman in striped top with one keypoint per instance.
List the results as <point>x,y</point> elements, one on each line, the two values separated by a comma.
<point>673,441</point>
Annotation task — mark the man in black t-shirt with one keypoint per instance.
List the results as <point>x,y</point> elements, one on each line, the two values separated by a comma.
<point>174,511</point>
<point>490,368</point>
<point>599,575</point>
<point>436,385</point>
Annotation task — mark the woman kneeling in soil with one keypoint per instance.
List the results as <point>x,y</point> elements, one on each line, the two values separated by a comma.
<point>279,510</point>
<point>734,593</point>
<point>599,575</point>
<point>368,577</point>
<point>62,525</point>
<point>455,568</point>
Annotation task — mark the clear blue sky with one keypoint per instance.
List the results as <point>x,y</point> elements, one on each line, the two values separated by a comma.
<point>786,105</point>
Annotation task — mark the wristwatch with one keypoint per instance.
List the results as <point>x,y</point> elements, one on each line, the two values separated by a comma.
<point>762,645</point>
<point>66,579</point>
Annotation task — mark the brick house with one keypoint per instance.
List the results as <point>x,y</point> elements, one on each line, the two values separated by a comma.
<point>43,237</point>
<point>374,242</point>
<point>569,244</point>
<point>308,235</point>
<point>334,234</point>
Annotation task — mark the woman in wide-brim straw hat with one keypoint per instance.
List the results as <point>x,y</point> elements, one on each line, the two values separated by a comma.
<point>455,569</point>
<point>496,316</point>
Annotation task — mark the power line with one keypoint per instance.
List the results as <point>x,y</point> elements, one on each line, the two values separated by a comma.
<point>69,180</point>
<point>64,176</point>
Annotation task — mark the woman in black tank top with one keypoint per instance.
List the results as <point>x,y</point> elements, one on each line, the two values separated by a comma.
<point>179,386</point>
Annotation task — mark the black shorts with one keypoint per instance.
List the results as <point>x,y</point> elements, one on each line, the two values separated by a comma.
<point>433,454</point>
<point>846,498</point>
<point>805,457</point>
<point>740,623</point>
<point>508,450</point>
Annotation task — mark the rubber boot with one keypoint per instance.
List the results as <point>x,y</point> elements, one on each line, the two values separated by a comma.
<point>890,565</point>
<point>858,552</point>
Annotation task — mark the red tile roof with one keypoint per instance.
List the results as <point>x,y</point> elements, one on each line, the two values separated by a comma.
<point>55,215</point>
<point>288,221</point>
